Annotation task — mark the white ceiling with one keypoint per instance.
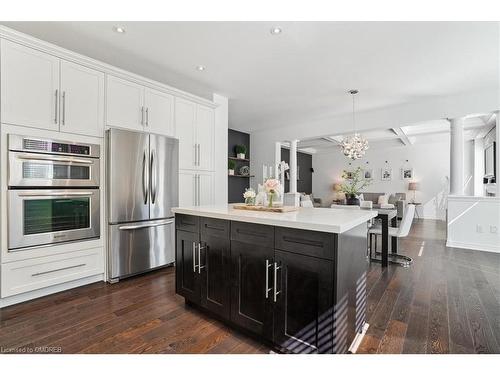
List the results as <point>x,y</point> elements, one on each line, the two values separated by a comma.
<point>425,132</point>
<point>301,74</point>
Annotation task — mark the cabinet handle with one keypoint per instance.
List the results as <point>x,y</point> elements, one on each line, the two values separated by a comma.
<point>57,99</point>
<point>268,264</point>
<point>199,257</point>
<point>198,190</point>
<point>199,154</point>
<point>195,154</point>
<point>59,269</point>
<point>194,257</point>
<point>147,116</point>
<point>276,292</point>
<point>64,107</point>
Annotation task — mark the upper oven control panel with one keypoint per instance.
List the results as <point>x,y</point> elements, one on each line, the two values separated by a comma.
<point>70,148</point>
<point>48,146</point>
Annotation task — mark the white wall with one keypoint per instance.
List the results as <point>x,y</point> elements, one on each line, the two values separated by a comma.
<point>430,162</point>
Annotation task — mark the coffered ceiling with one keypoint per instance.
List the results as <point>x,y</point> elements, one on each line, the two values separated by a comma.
<point>427,132</point>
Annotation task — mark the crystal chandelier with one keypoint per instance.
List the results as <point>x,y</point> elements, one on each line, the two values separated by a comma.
<point>354,146</point>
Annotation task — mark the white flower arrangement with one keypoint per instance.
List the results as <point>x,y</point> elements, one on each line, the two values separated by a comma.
<point>249,193</point>
<point>249,196</point>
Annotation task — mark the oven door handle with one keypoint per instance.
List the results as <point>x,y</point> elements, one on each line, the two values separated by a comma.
<point>56,194</point>
<point>53,158</point>
<point>148,225</point>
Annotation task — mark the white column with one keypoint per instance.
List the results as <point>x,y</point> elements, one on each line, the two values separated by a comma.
<point>293,166</point>
<point>478,166</point>
<point>277,157</point>
<point>221,124</point>
<point>457,156</point>
<point>497,130</point>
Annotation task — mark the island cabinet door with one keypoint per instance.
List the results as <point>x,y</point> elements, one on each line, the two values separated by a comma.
<point>186,265</point>
<point>215,271</point>
<point>251,306</point>
<point>303,307</point>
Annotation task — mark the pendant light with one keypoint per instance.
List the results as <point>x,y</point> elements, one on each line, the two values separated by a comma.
<point>354,146</point>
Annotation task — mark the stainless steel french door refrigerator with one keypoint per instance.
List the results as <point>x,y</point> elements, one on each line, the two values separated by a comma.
<point>142,171</point>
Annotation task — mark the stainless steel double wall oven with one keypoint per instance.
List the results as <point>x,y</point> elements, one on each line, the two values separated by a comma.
<point>53,194</point>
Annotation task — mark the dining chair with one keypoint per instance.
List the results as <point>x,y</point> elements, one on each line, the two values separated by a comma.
<point>402,231</point>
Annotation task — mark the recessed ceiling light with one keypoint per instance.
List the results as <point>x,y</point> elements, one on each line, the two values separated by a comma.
<point>200,68</point>
<point>119,29</point>
<point>276,30</point>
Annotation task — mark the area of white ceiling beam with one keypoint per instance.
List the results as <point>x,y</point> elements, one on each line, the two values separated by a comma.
<point>403,137</point>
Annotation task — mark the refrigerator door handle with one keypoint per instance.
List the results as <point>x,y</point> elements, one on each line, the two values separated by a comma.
<point>154,177</point>
<point>145,182</point>
<point>146,225</point>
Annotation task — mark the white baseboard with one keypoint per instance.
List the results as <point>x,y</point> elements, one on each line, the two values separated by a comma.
<point>23,297</point>
<point>473,246</point>
<point>357,340</point>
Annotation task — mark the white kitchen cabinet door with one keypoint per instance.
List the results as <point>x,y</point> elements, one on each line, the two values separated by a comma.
<point>205,189</point>
<point>185,115</point>
<point>124,104</point>
<point>29,87</point>
<point>187,188</point>
<point>159,112</point>
<point>205,137</point>
<point>82,100</point>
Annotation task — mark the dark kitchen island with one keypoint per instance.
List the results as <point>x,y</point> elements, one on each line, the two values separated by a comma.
<point>295,280</point>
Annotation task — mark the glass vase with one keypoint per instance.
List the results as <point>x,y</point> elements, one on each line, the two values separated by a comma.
<point>270,197</point>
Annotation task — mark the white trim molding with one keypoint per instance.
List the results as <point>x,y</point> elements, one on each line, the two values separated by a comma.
<point>473,246</point>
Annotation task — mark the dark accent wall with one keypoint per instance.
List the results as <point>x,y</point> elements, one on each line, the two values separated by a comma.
<point>237,185</point>
<point>304,162</point>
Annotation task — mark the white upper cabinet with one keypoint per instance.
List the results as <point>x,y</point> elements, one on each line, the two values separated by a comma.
<point>185,115</point>
<point>195,129</point>
<point>159,115</point>
<point>29,87</point>
<point>124,104</point>
<point>205,131</point>
<point>82,100</point>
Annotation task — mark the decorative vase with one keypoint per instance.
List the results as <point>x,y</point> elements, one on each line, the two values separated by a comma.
<point>250,201</point>
<point>351,200</point>
<point>231,172</point>
<point>240,156</point>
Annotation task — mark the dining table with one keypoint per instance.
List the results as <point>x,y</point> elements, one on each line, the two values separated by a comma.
<point>387,215</point>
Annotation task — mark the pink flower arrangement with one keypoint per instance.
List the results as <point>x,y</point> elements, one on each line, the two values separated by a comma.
<point>272,185</point>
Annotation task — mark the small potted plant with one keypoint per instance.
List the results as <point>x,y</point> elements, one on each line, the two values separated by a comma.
<point>240,151</point>
<point>352,185</point>
<point>230,166</point>
<point>249,196</point>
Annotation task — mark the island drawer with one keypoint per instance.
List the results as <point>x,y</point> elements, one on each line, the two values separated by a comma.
<point>257,234</point>
<point>215,227</point>
<point>306,242</point>
<point>187,223</point>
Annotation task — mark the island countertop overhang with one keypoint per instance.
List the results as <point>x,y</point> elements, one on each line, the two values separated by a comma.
<point>315,219</point>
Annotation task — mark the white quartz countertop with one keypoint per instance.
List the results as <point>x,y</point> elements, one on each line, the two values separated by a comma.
<point>317,219</point>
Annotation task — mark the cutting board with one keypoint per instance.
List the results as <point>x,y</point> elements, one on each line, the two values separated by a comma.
<point>280,209</point>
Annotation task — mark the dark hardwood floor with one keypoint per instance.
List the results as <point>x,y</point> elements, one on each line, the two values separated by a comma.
<point>447,302</point>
